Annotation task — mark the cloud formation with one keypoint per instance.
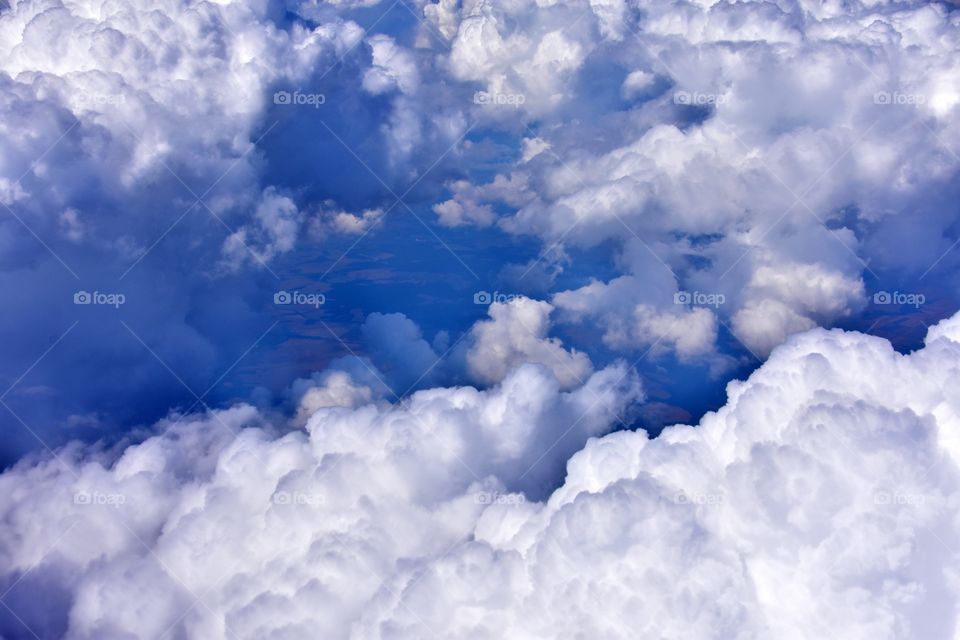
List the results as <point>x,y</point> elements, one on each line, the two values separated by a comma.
<point>792,160</point>
<point>773,156</point>
<point>515,334</point>
<point>818,501</point>
<point>225,505</point>
<point>131,165</point>
<point>677,178</point>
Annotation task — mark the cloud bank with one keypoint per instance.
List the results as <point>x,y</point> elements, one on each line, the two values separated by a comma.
<point>773,154</point>
<point>686,182</point>
<point>819,501</point>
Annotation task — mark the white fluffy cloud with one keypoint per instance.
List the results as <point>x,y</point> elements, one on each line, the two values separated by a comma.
<point>282,534</point>
<point>652,314</point>
<point>774,158</point>
<point>688,331</point>
<point>330,218</point>
<point>819,501</point>
<point>759,155</point>
<point>276,230</point>
<point>517,50</point>
<point>788,298</point>
<point>470,203</point>
<point>516,334</point>
<point>114,99</point>
<point>347,382</point>
<point>392,68</point>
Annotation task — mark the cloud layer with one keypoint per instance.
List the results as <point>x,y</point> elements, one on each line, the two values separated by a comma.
<point>767,153</point>
<point>820,500</point>
<point>780,162</point>
<point>681,186</point>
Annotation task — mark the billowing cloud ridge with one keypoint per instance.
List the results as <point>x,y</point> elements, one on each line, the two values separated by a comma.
<point>820,501</point>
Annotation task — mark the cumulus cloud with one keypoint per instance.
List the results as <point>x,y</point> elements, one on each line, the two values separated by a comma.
<point>687,331</point>
<point>282,534</point>
<point>517,333</point>
<point>780,158</point>
<point>393,68</point>
<point>640,312</point>
<point>132,163</point>
<point>333,219</point>
<point>730,164</point>
<point>787,299</point>
<point>773,159</point>
<point>819,501</point>
<point>347,382</point>
<point>277,227</point>
<point>471,204</point>
<point>146,93</point>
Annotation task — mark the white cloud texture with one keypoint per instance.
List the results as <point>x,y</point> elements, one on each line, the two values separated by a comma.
<point>277,226</point>
<point>519,49</point>
<point>820,501</point>
<point>517,333</point>
<point>286,535</point>
<point>112,99</point>
<point>767,155</point>
<point>776,156</point>
<point>635,314</point>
